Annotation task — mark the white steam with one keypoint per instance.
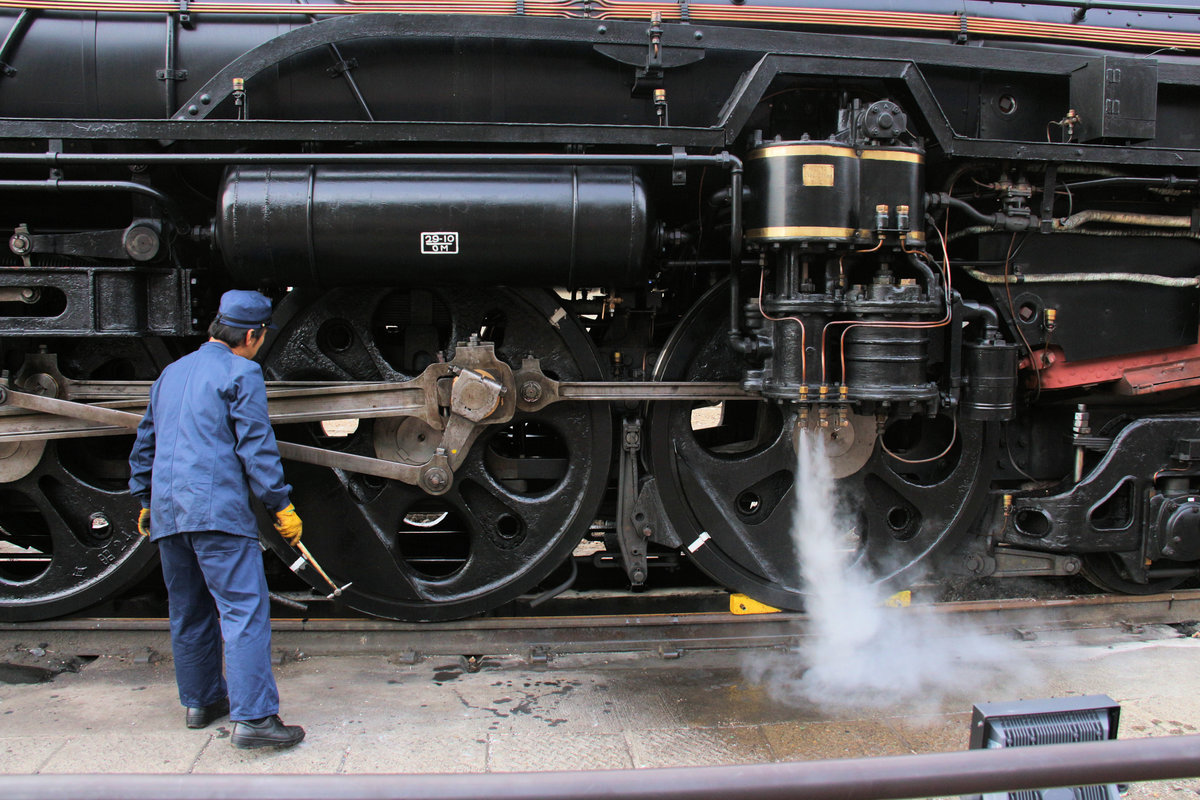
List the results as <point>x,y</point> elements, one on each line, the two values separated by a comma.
<point>859,652</point>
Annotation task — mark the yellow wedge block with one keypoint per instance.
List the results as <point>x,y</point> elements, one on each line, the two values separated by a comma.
<point>741,604</point>
<point>899,600</point>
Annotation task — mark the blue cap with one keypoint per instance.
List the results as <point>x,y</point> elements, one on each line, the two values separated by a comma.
<point>241,308</point>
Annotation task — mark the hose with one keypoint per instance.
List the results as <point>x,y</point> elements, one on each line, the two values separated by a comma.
<point>1086,277</point>
<point>1122,218</point>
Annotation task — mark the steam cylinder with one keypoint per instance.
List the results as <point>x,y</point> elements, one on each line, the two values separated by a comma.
<point>351,225</point>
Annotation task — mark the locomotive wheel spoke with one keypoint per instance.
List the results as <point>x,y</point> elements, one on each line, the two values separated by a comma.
<point>910,515</point>
<point>520,501</point>
<point>750,492</point>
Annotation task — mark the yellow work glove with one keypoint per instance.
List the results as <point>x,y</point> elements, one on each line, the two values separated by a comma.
<point>288,524</point>
<point>144,522</point>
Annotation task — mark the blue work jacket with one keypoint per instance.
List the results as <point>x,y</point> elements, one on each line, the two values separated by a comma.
<point>205,444</point>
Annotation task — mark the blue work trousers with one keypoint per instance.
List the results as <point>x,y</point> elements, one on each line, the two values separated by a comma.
<point>217,591</point>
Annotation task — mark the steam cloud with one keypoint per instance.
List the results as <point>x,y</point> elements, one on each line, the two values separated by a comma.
<point>860,652</point>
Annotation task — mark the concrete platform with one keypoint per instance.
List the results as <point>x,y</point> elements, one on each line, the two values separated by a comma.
<point>369,714</point>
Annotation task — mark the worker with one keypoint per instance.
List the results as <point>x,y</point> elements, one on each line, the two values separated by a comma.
<point>203,447</point>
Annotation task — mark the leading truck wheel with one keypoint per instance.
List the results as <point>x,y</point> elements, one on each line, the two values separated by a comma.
<point>518,506</point>
<point>728,475</point>
<point>68,525</point>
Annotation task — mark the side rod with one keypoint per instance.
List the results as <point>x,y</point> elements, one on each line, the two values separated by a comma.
<point>113,421</point>
<point>294,402</point>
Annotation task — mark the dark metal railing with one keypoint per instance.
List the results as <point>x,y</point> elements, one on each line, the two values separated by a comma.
<point>965,772</point>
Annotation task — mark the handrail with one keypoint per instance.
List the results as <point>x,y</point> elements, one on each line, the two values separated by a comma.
<point>964,772</point>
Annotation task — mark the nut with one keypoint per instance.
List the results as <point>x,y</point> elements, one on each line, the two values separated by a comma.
<point>531,391</point>
<point>436,479</point>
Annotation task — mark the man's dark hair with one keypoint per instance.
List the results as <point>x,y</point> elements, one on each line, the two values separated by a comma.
<point>229,334</point>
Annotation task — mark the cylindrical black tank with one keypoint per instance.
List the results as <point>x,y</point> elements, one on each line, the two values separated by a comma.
<point>802,191</point>
<point>345,225</point>
<point>892,178</point>
<point>991,387</point>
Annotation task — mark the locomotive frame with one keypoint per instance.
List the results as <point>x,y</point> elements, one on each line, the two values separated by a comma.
<point>521,419</point>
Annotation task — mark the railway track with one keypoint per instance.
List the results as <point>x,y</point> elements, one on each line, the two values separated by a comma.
<point>543,638</point>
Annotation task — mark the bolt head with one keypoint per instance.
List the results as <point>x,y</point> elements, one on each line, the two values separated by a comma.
<point>531,391</point>
<point>436,478</point>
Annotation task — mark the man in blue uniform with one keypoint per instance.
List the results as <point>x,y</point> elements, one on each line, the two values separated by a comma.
<point>204,446</point>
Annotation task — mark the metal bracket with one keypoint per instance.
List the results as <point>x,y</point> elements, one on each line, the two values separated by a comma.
<point>1013,563</point>
<point>650,77</point>
<point>1051,178</point>
<point>185,17</point>
<point>650,518</point>
<point>678,168</point>
<point>341,67</point>
<point>171,74</point>
<point>631,532</point>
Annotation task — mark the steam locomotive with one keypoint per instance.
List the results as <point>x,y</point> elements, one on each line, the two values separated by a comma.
<point>564,272</point>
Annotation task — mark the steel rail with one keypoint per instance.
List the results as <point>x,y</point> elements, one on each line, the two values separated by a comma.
<point>646,631</point>
<point>965,772</point>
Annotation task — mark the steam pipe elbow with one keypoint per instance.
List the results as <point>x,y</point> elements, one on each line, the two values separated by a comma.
<point>991,319</point>
<point>931,279</point>
<point>739,343</point>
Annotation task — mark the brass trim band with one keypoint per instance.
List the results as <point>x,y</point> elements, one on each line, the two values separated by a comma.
<point>781,150</point>
<point>799,232</point>
<point>893,155</point>
<point>834,151</point>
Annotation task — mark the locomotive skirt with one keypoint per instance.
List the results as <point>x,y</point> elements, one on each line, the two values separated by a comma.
<point>217,591</point>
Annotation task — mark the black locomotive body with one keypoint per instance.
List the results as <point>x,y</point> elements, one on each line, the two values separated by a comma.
<point>554,271</point>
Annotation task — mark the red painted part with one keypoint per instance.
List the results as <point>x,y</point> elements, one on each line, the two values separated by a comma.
<point>1142,373</point>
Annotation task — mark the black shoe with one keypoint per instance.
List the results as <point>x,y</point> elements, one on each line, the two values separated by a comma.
<point>269,732</point>
<point>204,716</point>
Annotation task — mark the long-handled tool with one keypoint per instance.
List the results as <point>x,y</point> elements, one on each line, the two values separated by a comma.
<point>307,557</point>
